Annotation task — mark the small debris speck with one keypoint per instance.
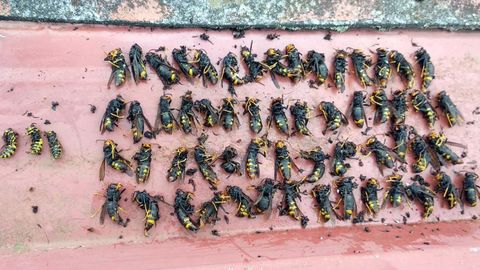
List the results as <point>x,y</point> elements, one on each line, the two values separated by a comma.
<point>90,229</point>
<point>47,122</point>
<point>55,105</point>
<point>215,232</point>
<point>34,209</point>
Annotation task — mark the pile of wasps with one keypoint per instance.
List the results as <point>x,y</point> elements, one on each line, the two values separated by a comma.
<point>432,149</point>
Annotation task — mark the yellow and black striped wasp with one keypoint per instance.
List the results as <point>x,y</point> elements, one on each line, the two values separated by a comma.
<point>10,147</point>
<point>422,193</point>
<point>383,70</point>
<point>333,116</point>
<point>143,158</point>
<point>184,210</point>
<point>120,69</point>
<point>384,156</point>
<point>450,192</point>
<point>438,142</point>
<point>283,161</point>
<point>178,165</point>
<point>36,145</point>
<point>137,64</point>
<point>227,114</point>
<point>245,206</point>
<point>357,110</point>
<point>229,165</point>
<point>112,114</point>
<point>186,116</point>
<point>167,74</point>
<point>230,73</point>
<point>188,69</point>
<point>400,134</point>
<point>403,68</point>
<point>318,157</point>
<point>345,187</point>
<point>149,204</point>
<point>428,70</point>
<point>340,67</point>
<point>212,116</point>
<point>295,67</point>
<point>424,155</point>
<point>341,152</point>
<point>321,194</point>
<point>277,115</point>
<point>111,205</point>
<point>252,107</point>
<point>449,109</point>
<point>138,121</point>
<point>395,193</point>
<point>421,104</point>
<point>316,63</point>
<point>470,191</point>
<point>272,60</point>
<point>256,69</point>
<point>208,213</point>
<point>383,107</point>
<point>56,148</point>
<point>369,196</point>
<point>290,207</point>
<point>360,64</point>
<point>207,70</point>
<point>257,146</point>
<point>399,105</point>
<point>112,157</point>
<point>165,120</point>
<point>266,190</point>
<point>204,161</point>
<point>301,114</point>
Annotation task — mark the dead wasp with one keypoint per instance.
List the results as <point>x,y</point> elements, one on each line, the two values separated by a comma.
<point>252,107</point>
<point>438,142</point>
<point>179,162</point>
<point>357,110</point>
<point>245,204</point>
<point>137,64</point>
<point>119,67</point>
<point>257,146</point>
<point>470,190</point>
<point>421,104</point>
<point>369,196</point>
<point>400,135</point>
<point>256,69</point>
<point>230,73</point>
<point>340,67</point>
<point>450,192</point>
<point>112,157</point>
<point>143,158</point>
<point>211,113</point>
<point>272,60</point>
<point>384,156</point>
<point>318,157</point>
<point>316,64</point>
<point>345,187</point>
<point>341,152</point>
<point>301,114</point>
<point>167,74</point>
<point>360,64</point>
<point>332,115</point>
<point>111,205</point>
<point>112,114</point>
<point>228,116</point>
<point>207,70</point>
<point>422,193</point>
<point>428,70</point>
<point>203,160</point>
<point>383,108</point>
<point>383,70</point>
<point>292,192</point>
<point>295,67</point>
<point>321,194</point>
<point>424,155</point>
<point>283,161</point>
<point>399,104</point>
<point>229,165</point>
<point>138,121</point>
<point>165,120</point>
<point>403,68</point>
<point>277,115</point>
<point>395,193</point>
<point>266,190</point>
<point>149,204</point>
<point>10,147</point>
<point>188,69</point>
<point>186,116</point>
<point>449,109</point>
<point>184,209</point>
<point>36,145</point>
<point>208,213</point>
<point>54,144</point>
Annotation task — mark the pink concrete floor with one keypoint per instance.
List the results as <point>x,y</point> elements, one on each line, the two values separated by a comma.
<point>42,63</point>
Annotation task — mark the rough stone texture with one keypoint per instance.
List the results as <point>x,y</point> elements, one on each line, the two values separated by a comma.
<point>281,14</point>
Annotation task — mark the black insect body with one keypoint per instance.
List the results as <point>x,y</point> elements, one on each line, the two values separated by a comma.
<point>257,146</point>
<point>187,68</point>
<point>143,158</point>
<point>165,120</point>
<point>301,114</point>
<point>383,107</point>
<point>341,152</point>
<point>112,158</point>
<point>384,156</point>
<point>203,160</point>
<point>211,113</point>
<point>256,69</point>
<point>178,165</point>
<point>228,116</point>
<point>208,213</point>
<point>360,64</point>
<point>438,142</point>
<point>357,109</point>
<point>318,157</point>
<point>208,72</point>
<point>111,205</point>
<point>470,190</point>
<point>252,107</point>
<point>230,73</point>
<point>449,191</point>
<point>112,114</point>
<point>36,145</point>
<point>266,190</point>
<point>424,155</point>
<point>119,67</point>
<point>245,206</point>
<point>56,148</point>
<point>399,104</point>
<point>345,187</point>
<point>421,104</point>
<point>449,109</point>
<point>332,115</point>
<point>396,191</point>
<point>423,194</point>
<point>316,64</point>
<point>167,74</point>
<point>186,117</point>
<point>321,194</point>
<point>296,70</point>
<point>383,70</point>
<point>292,192</point>
<point>184,210</point>
<point>369,196</point>
<point>428,70</point>
<point>277,115</point>
<point>149,204</point>
<point>403,68</point>
<point>229,165</point>
<point>138,121</point>
<point>400,135</point>
<point>340,67</point>
<point>272,60</point>
<point>137,63</point>
<point>10,147</point>
<point>283,161</point>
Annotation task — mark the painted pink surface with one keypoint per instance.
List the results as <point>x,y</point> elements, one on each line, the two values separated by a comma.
<point>44,63</point>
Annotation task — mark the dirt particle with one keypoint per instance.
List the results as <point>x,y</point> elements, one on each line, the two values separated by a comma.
<point>312,84</point>
<point>474,217</point>
<point>470,122</point>
<point>91,229</point>
<point>366,229</point>
<point>328,36</point>
<point>149,135</point>
<point>404,220</point>
<point>55,105</point>
<point>426,243</point>
<point>93,108</point>
<point>31,189</point>
<point>360,218</point>
<point>476,111</point>
<point>120,236</point>
<point>192,182</point>
<point>362,177</point>
<point>191,171</point>
<point>75,28</point>
<point>360,163</point>
<point>397,236</point>
<point>238,33</point>
<point>215,233</point>
<point>239,140</point>
<point>10,90</point>
<point>383,220</point>
<point>47,122</point>
<point>34,209</point>
<point>407,214</point>
<point>160,49</point>
<point>271,228</point>
<point>273,36</point>
<point>227,220</point>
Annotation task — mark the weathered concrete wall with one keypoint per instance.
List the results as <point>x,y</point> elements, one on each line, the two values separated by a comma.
<point>282,14</point>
